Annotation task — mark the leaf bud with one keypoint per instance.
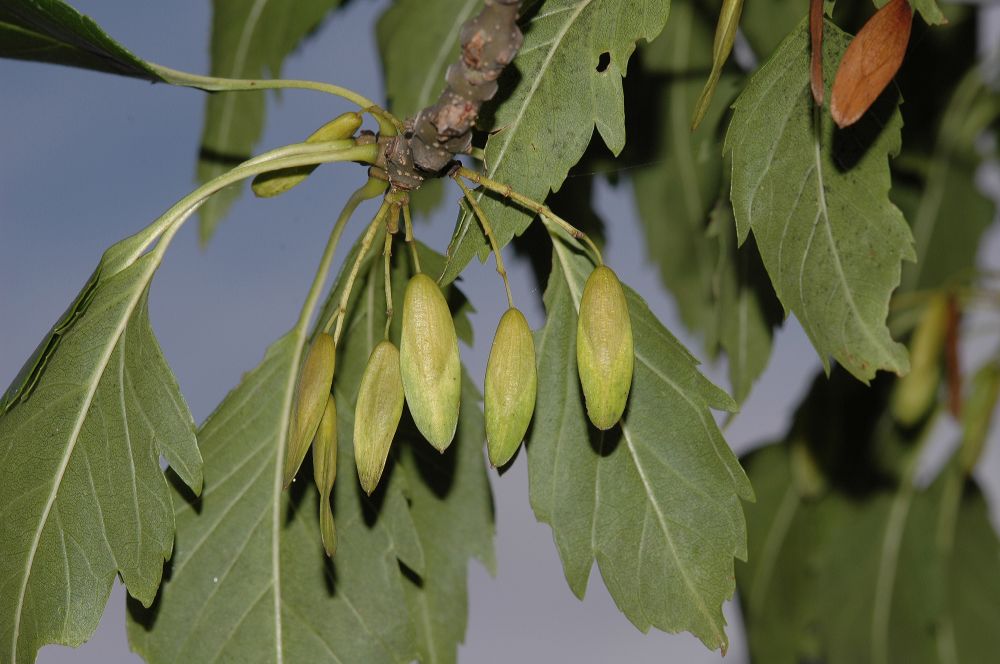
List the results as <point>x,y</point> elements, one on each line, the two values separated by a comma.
<point>604,351</point>
<point>511,385</point>
<point>377,413</point>
<point>429,361</point>
<point>311,392</point>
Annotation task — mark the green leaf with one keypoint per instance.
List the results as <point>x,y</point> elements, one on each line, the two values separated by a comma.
<point>766,22</point>
<point>817,201</point>
<point>249,580</point>
<point>713,282</point>
<point>249,562</point>
<point>82,494</point>
<point>658,507</point>
<point>746,311</point>
<point>546,122</point>
<point>864,566</point>
<point>452,510</point>
<point>948,211</point>
<point>52,31</point>
<point>249,40</point>
<point>447,507</point>
<point>905,576</point>
<point>928,9</point>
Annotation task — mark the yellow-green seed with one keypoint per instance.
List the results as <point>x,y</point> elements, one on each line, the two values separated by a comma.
<point>325,472</point>
<point>510,389</point>
<point>278,182</point>
<point>915,393</point>
<point>604,351</point>
<point>377,413</point>
<point>311,394</point>
<point>429,362</point>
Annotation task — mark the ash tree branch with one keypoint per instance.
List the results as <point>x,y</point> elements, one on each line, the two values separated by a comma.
<point>439,132</point>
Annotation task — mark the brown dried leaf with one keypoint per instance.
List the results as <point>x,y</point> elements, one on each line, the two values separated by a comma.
<point>870,62</point>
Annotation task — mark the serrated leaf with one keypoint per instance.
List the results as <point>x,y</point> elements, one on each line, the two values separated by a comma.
<point>452,510</point>
<point>249,40</point>
<point>82,494</point>
<point>545,124</point>
<point>249,561</point>
<point>52,31</point>
<point>658,507</point>
<point>249,580</point>
<point>817,201</point>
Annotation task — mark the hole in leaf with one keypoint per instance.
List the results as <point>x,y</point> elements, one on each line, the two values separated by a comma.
<point>603,61</point>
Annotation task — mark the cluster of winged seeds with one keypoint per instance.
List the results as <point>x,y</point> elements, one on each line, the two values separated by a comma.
<point>425,373</point>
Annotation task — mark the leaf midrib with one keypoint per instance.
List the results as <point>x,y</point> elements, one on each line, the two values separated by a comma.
<point>74,437</point>
<point>650,501</point>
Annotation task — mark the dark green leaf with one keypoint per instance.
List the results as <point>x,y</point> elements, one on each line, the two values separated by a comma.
<point>817,201</point>
<point>864,566</point>
<point>658,507</point>
<point>711,280</point>
<point>82,494</point>
<point>559,96</point>
<point>249,40</point>
<point>947,210</point>
<point>52,31</point>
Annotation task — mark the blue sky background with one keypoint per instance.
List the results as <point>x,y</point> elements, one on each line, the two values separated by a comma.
<point>87,159</point>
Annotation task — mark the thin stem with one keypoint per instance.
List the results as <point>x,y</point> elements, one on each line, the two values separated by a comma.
<point>389,124</point>
<point>290,156</point>
<point>501,270</point>
<point>362,193</point>
<point>366,243</point>
<point>387,255</point>
<point>536,207</point>
<point>408,223</point>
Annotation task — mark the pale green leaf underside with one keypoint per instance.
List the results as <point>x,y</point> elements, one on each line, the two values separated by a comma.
<point>52,31</point>
<point>548,119</point>
<point>82,496</point>
<point>656,501</point>
<point>250,580</point>
<point>249,39</point>
<point>819,209</point>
